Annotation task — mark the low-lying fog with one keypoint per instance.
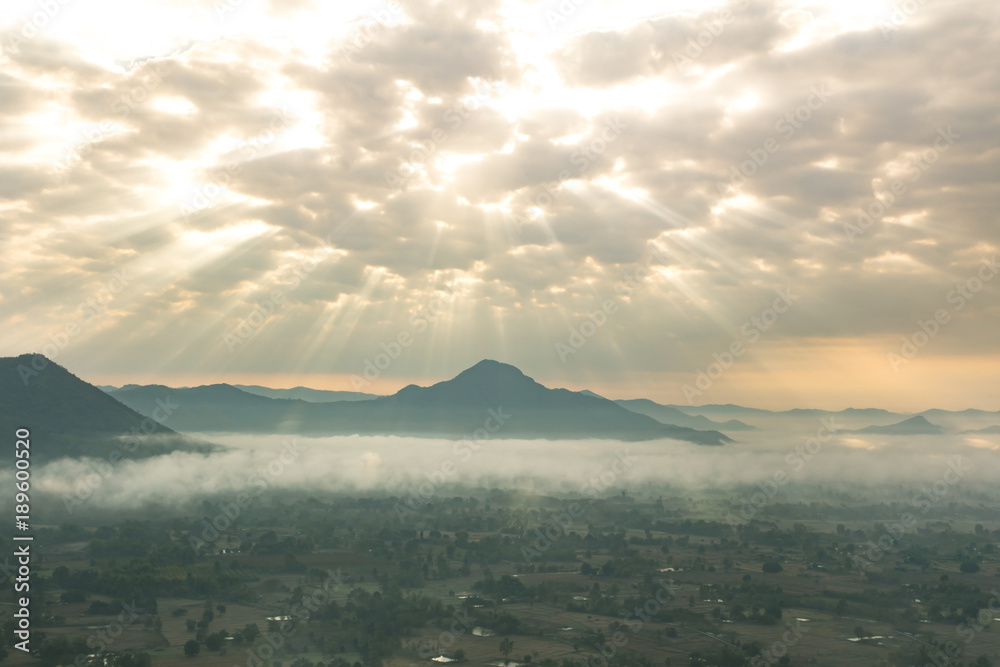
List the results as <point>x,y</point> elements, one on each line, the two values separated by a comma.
<point>880,467</point>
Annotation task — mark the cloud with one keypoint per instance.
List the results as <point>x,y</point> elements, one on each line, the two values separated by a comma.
<point>466,147</point>
<point>402,467</point>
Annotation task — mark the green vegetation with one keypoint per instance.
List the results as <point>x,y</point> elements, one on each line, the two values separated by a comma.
<point>352,582</point>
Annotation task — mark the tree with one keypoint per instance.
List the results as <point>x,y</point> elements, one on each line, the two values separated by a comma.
<point>251,632</point>
<point>859,632</point>
<point>506,646</point>
<point>772,567</point>
<point>190,624</point>
<point>191,648</point>
<point>841,607</point>
<point>969,567</point>
<point>459,655</point>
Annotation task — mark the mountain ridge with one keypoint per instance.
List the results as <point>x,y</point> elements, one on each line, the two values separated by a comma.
<point>69,417</point>
<point>450,408</point>
<point>916,425</point>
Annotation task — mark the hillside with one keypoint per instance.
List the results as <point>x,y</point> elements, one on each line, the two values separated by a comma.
<point>913,426</point>
<point>453,409</point>
<point>69,417</point>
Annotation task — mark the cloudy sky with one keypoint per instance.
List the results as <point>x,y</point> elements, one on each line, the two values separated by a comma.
<point>612,195</point>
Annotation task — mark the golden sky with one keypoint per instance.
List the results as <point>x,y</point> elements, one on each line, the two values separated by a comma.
<point>608,195</point>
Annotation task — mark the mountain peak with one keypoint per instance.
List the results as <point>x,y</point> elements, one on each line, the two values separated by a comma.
<point>491,368</point>
<point>72,417</point>
<point>918,419</point>
<point>490,381</point>
<point>917,425</point>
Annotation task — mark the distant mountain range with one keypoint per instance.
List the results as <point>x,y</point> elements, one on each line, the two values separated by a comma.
<point>989,430</point>
<point>950,421</point>
<point>668,414</point>
<point>917,425</point>
<point>69,417</point>
<point>301,393</point>
<point>870,413</point>
<point>453,409</point>
<point>306,394</point>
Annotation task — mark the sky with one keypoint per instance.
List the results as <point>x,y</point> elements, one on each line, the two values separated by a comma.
<point>774,203</point>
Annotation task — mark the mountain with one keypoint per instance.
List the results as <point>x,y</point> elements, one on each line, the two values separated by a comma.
<point>971,412</point>
<point>68,417</point>
<point>917,425</point>
<point>671,415</point>
<point>306,394</point>
<point>218,408</point>
<point>451,409</point>
<point>729,409</point>
<point>989,430</point>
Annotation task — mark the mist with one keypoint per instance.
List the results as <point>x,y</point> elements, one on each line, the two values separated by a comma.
<point>879,467</point>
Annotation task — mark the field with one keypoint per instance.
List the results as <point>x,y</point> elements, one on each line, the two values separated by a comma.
<point>639,586</point>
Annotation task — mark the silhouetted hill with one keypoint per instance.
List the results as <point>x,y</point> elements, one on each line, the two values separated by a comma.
<point>222,408</point>
<point>989,430</point>
<point>730,409</point>
<point>69,417</point>
<point>306,394</point>
<point>971,412</point>
<point>917,425</point>
<point>671,415</point>
<point>452,409</point>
